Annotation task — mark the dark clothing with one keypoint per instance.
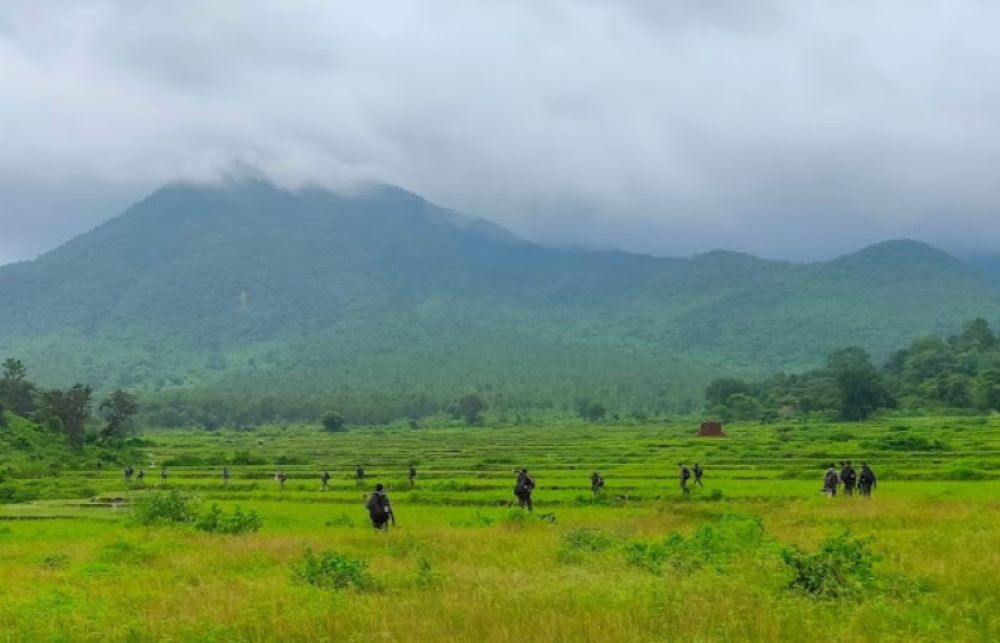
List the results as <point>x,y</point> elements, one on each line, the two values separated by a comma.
<point>866,481</point>
<point>849,478</point>
<point>685,475</point>
<point>596,484</point>
<point>525,485</point>
<point>698,473</point>
<point>412,475</point>
<point>379,510</point>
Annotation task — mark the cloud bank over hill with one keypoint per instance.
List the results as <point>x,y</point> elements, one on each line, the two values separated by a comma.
<point>789,128</point>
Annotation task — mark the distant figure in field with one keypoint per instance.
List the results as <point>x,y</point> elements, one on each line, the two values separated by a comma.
<point>326,480</point>
<point>380,509</point>
<point>412,475</point>
<point>685,475</point>
<point>281,478</point>
<point>139,476</point>
<point>523,488</point>
<point>225,476</point>
<point>849,478</point>
<point>830,481</point>
<point>866,481</point>
<point>128,473</point>
<point>163,475</point>
<point>698,473</point>
<point>596,483</point>
<point>359,474</point>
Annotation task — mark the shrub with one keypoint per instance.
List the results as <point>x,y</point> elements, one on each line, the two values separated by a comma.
<point>239,522</point>
<point>331,570</point>
<point>843,566</point>
<point>714,544</point>
<point>908,443</point>
<point>168,508</point>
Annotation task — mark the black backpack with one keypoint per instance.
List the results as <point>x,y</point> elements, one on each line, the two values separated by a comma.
<point>377,503</point>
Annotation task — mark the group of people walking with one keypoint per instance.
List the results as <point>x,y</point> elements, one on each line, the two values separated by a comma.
<point>140,475</point>
<point>848,479</point>
<point>381,513</point>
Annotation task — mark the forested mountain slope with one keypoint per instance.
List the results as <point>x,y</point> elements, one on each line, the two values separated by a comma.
<point>381,298</point>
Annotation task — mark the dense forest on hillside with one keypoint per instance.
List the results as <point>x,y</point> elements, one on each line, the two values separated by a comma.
<point>957,373</point>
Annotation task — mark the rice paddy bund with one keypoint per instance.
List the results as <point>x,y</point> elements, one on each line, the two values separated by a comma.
<point>758,553</point>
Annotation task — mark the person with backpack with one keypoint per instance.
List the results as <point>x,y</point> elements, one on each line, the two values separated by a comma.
<point>685,475</point>
<point>523,489</point>
<point>596,483</point>
<point>225,476</point>
<point>830,481</point>
<point>380,509</point>
<point>412,475</point>
<point>282,479</point>
<point>359,474</point>
<point>849,478</point>
<point>139,476</point>
<point>163,475</point>
<point>698,473</point>
<point>128,473</point>
<point>326,480</point>
<point>866,481</point>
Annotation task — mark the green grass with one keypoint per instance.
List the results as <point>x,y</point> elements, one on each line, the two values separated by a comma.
<point>639,564</point>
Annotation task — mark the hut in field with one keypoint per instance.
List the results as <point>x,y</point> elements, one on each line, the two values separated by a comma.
<point>711,430</point>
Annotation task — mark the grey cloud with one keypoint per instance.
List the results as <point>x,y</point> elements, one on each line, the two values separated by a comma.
<point>792,128</point>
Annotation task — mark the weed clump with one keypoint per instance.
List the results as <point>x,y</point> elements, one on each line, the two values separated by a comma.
<point>216,521</point>
<point>714,544</point>
<point>843,566</point>
<point>331,570</point>
<point>170,508</point>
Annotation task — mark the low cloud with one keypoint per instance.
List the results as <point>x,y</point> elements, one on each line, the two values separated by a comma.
<point>792,128</point>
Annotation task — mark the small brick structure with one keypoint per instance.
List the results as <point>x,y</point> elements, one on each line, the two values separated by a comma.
<point>711,430</point>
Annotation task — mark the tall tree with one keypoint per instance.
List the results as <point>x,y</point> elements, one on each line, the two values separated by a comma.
<point>118,410</point>
<point>71,408</point>
<point>16,392</point>
<point>860,387</point>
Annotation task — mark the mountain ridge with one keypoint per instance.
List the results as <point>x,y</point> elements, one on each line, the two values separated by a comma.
<point>246,285</point>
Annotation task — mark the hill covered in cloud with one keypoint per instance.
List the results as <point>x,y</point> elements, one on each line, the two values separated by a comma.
<point>380,302</point>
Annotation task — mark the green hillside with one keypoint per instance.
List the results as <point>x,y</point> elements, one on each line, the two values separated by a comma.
<point>382,304</point>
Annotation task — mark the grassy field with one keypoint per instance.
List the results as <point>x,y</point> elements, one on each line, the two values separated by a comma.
<point>641,563</point>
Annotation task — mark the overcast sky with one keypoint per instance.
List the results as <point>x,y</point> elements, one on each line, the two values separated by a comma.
<point>786,128</point>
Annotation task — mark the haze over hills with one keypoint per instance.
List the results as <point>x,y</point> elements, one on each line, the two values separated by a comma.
<point>382,300</point>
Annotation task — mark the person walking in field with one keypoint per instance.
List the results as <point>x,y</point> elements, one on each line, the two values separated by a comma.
<point>359,474</point>
<point>380,509</point>
<point>163,475</point>
<point>128,473</point>
<point>596,483</point>
<point>225,476</point>
<point>698,473</point>
<point>866,480</point>
<point>849,478</point>
<point>281,478</point>
<point>412,475</point>
<point>523,488</point>
<point>326,480</point>
<point>684,475</point>
<point>139,476</point>
<point>830,481</point>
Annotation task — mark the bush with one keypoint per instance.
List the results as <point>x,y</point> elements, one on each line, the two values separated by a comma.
<point>843,566</point>
<point>714,544</point>
<point>331,570</point>
<point>908,443</point>
<point>218,522</point>
<point>169,508</point>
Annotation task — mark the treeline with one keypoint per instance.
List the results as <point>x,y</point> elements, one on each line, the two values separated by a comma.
<point>67,412</point>
<point>957,373</point>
